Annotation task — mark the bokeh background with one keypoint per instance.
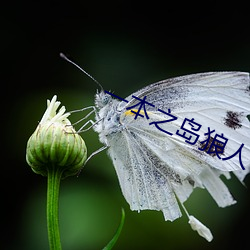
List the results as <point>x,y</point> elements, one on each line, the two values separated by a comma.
<point>125,45</point>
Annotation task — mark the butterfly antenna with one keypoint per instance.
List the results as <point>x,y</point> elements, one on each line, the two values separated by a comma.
<point>90,76</point>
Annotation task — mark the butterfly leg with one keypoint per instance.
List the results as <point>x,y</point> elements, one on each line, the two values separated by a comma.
<point>96,152</point>
<point>81,129</point>
<point>91,155</point>
<point>86,116</point>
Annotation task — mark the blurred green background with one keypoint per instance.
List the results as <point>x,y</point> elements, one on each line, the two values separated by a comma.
<point>125,46</point>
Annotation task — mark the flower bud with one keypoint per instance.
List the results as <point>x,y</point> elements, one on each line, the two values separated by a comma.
<point>55,144</point>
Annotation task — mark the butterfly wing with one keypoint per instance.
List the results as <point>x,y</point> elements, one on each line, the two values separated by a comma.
<point>153,170</point>
<point>154,167</point>
<point>141,183</point>
<point>175,92</point>
<point>220,101</point>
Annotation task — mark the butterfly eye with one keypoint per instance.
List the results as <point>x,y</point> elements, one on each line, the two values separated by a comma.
<point>106,99</point>
<point>102,99</point>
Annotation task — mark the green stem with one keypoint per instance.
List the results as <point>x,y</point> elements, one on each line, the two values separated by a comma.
<point>54,177</point>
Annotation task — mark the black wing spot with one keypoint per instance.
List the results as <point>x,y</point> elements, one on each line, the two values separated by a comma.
<point>233,119</point>
<point>248,117</point>
<point>191,181</point>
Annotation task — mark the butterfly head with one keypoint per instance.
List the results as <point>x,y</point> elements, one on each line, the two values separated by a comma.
<point>102,99</point>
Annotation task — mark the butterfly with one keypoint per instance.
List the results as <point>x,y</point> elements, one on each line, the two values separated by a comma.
<point>185,132</point>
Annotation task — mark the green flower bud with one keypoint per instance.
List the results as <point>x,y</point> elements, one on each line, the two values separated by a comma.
<point>55,144</point>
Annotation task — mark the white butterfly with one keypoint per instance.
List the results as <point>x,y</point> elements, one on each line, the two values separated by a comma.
<point>156,169</point>
<point>158,165</point>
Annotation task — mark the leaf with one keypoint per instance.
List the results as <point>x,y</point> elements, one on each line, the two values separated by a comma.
<point>117,234</point>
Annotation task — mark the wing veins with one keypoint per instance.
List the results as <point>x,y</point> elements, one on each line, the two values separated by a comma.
<point>132,153</point>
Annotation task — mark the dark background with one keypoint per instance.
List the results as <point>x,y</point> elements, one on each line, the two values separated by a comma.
<point>125,45</point>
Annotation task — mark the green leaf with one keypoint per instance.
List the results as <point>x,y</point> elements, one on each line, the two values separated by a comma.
<point>117,234</point>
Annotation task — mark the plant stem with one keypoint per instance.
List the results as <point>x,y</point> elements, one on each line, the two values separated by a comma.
<point>54,177</point>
